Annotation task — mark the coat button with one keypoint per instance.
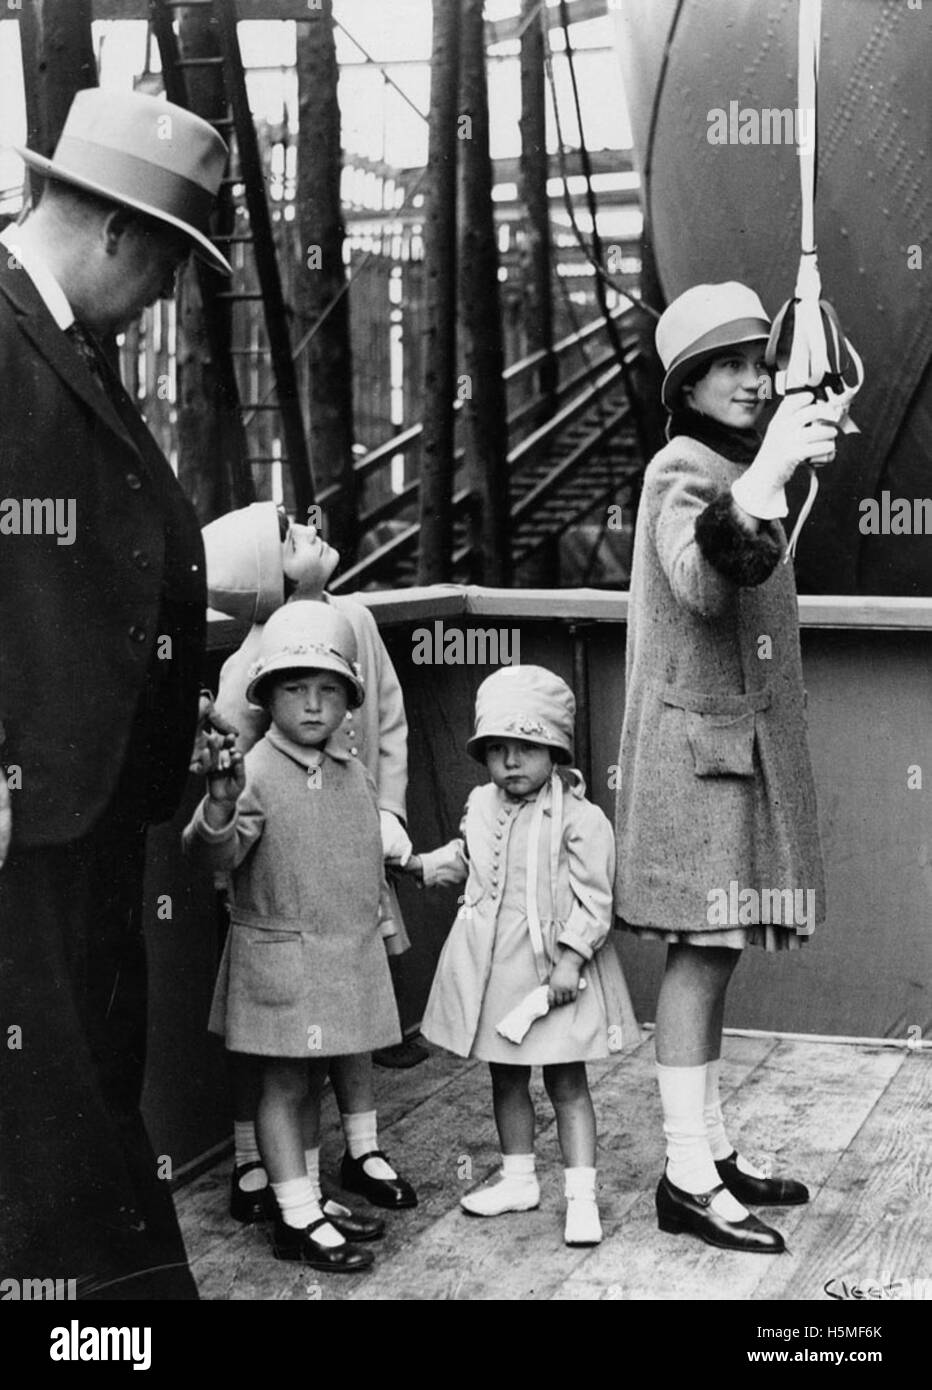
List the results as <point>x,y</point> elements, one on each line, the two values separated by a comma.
<point>498,834</point>
<point>134,481</point>
<point>141,559</point>
<point>137,633</point>
<point>354,752</point>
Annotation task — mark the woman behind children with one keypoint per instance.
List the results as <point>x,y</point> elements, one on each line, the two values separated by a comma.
<point>538,860</point>
<point>716,786</point>
<point>304,976</point>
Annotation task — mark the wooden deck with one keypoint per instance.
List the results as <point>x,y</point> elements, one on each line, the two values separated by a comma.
<point>853,1121</point>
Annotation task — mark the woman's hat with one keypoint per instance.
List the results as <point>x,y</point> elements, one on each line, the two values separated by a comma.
<point>527,702</point>
<point>307,636</point>
<point>243,549</point>
<point>143,153</point>
<point>700,323</point>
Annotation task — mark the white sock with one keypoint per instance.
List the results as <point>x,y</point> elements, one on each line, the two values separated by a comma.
<point>719,1143</point>
<point>521,1166</point>
<point>362,1136</point>
<point>690,1165</point>
<point>247,1151</point>
<point>312,1163</point>
<point>579,1182</point>
<point>299,1208</point>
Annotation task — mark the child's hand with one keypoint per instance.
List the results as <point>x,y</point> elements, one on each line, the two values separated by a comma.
<point>564,979</point>
<point>226,777</point>
<point>412,866</point>
<point>213,733</point>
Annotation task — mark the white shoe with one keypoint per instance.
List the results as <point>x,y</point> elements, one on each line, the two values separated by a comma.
<point>504,1194</point>
<point>583,1226</point>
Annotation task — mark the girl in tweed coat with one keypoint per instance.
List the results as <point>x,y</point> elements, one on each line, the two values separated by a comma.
<point>537,859</point>
<point>716,824</point>
<point>305,976</point>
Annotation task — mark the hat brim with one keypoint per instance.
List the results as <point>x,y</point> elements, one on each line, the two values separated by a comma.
<point>475,746</point>
<point>290,661</point>
<point>738,331</point>
<point>203,247</point>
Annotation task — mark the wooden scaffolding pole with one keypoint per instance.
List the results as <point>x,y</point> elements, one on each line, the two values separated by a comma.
<point>58,61</point>
<point>532,187</point>
<point>437,441</point>
<point>321,294</point>
<point>481,316</point>
<point>211,440</point>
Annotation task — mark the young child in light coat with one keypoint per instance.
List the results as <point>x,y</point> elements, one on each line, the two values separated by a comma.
<point>252,555</point>
<point>304,976</point>
<point>530,946</point>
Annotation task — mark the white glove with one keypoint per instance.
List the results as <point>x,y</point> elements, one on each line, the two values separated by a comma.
<point>802,429</point>
<point>395,842</point>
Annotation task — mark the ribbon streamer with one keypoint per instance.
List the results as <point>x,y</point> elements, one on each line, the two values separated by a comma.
<point>807,350</point>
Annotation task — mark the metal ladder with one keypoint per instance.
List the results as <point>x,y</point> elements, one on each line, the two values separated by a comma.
<point>243,170</point>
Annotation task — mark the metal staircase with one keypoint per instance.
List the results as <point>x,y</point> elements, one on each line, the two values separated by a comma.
<point>583,457</point>
<point>244,209</point>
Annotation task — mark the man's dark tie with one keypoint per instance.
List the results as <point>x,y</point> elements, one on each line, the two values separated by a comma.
<point>93,356</point>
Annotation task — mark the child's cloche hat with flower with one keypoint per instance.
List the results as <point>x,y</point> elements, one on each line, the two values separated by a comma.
<point>526,702</point>
<point>304,635</point>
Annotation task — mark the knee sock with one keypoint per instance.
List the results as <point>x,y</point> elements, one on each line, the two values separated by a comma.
<point>719,1143</point>
<point>362,1136</point>
<point>690,1165</point>
<point>299,1208</point>
<point>247,1151</point>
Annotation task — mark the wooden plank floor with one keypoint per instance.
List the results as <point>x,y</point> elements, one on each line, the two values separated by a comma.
<point>853,1121</point>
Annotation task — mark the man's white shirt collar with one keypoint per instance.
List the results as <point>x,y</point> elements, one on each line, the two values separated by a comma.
<point>48,288</point>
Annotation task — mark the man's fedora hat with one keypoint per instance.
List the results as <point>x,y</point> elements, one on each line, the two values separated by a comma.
<point>699,323</point>
<point>142,153</point>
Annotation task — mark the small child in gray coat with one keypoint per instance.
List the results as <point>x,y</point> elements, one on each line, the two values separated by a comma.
<point>304,977</point>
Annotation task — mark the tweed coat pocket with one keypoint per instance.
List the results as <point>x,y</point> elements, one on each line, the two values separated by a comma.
<point>269,964</point>
<point>721,745</point>
<point>720,730</point>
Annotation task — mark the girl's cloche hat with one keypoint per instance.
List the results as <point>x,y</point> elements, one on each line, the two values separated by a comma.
<point>309,636</point>
<point>243,550</point>
<point>699,323</point>
<point>526,702</point>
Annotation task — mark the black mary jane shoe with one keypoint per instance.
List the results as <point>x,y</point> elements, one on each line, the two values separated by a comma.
<point>292,1243</point>
<point>249,1207</point>
<point>393,1193</point>
<point>351,1225</point>
<point>760,1192</point>
<point>679,1211</point>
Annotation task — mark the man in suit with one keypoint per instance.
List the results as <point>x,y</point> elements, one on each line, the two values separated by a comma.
<point>101,645</point>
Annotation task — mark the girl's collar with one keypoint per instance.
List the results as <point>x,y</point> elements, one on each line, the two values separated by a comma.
<point>572,779</point>
<point>738,446</point>
<point>305,757</point>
